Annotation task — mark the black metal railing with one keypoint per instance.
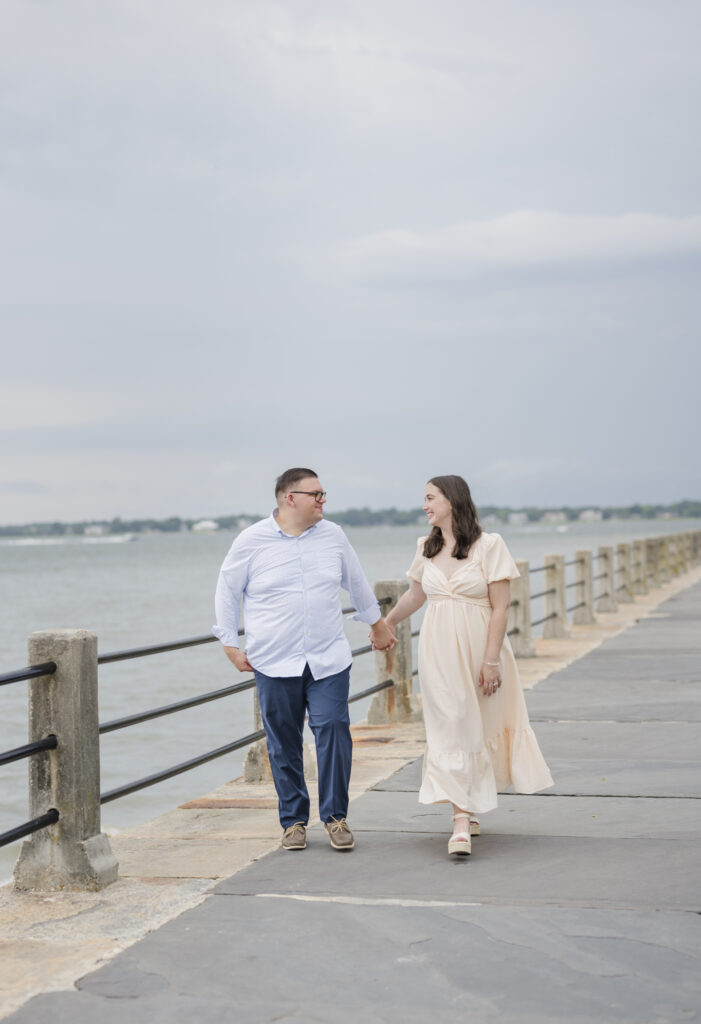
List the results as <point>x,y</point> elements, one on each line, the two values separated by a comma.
<point>546,618</point>
<point>20,753</point>
<point>20,831</point>
<point>30,672</point>
<point>190,702</point>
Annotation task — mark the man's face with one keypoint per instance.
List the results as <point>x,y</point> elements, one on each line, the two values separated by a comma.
<point>307,499</point>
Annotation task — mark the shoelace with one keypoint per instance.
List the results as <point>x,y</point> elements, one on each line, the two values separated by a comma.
<point>292,830</point>
<point>338,825</point>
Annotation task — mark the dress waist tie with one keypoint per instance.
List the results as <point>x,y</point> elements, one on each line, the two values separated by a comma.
<point>481,602</point>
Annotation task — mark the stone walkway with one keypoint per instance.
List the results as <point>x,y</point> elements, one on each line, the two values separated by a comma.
<point>581,904</point>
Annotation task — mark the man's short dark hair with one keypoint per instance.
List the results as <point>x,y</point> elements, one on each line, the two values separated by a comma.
<point>290,477</point>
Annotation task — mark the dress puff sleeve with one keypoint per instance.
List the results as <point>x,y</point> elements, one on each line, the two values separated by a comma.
<point>416,569</point>
<point>496,559</point>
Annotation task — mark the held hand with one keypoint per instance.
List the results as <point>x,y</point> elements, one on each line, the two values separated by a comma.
<point>490,679</point>
<point>382,636</point>
<point>239,659</point>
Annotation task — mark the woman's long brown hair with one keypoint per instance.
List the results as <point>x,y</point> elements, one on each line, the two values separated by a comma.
<point>466,525</point>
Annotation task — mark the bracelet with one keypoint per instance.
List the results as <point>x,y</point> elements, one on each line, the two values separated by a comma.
<point>492,664</point>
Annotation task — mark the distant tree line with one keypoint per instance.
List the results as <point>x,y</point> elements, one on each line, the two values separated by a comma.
<point>351,517</point>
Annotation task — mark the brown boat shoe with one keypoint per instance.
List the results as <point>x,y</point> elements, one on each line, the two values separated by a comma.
<point>295,837</point>
<point>340,836</point>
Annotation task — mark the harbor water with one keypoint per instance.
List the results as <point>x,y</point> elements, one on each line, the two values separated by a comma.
<point>159,587</point>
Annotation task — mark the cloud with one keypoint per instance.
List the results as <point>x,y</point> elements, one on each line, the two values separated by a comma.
<point>523,241</point>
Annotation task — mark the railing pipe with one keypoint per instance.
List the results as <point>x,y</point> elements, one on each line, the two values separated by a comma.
<point>180,705</point>
<point>31,672</point>
<point>21,753</point>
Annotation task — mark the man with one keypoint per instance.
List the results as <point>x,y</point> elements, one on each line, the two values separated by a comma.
<point>289,569</point>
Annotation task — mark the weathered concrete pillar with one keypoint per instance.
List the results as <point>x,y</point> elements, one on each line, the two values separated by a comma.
<point>624,587</point>
<point>397,703</point>
<point>256,767</point>
<point>555,597</point>
<point>670,557</point>
<point>584,576</point>
<point>664,569</point>
<point>606,601</point>
<point>652,559</point>
<point>520,613</point>
<point>639,567</point>
<point>72,854</point>
<point>683,552</point>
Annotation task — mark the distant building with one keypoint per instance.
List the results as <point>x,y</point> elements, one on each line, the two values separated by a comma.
<point>205,526</point>
<point>489,522</point>
<point>517,518</point>
<point>591,515</point>
<point>553,518</point>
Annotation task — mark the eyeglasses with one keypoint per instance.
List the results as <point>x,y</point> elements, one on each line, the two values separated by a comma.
<point>316,495</point>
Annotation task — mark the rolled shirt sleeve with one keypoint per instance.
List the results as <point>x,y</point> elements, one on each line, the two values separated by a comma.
<point>354,580</point>
<point>232,581</point>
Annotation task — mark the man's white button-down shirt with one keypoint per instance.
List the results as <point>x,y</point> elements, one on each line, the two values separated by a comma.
<point>291,602</point>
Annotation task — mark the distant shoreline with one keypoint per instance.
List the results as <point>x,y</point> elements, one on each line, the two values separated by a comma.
<point>489,514</point>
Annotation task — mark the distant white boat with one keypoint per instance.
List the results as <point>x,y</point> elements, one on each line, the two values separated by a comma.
<point>205,526</point>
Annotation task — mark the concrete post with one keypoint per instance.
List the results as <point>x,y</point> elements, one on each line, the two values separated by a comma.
<point>665,572</point>
<point>397,703</point>
<point>520,613</point>
<point>653,562</point>
<point>256,767</point>
<point>555,602</point>
<point>669,560</point>
<point>584,576</point>
<point>639,567</point>
<point>73,854</point>
<point>683,549</point>
<point>673,555</point>
<point>624,587</point>
<point>606,601</point>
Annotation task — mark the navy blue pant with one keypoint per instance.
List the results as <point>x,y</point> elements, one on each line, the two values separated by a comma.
<point>284,701</point>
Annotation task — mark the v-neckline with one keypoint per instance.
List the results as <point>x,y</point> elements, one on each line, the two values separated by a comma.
<point>449,578</point>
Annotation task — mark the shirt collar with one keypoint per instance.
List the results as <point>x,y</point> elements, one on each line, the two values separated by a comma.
<point>273,520</point>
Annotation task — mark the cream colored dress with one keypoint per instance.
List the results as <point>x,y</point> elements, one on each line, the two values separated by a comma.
<point>476,746</point>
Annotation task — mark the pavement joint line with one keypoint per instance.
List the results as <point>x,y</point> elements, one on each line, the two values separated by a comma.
<point>489,901</point>
<point>363,901</point>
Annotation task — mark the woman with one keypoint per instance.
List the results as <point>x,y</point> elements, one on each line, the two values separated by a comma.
<point>478,737</point>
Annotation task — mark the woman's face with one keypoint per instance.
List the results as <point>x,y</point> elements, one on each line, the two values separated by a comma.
<point>437,507</point>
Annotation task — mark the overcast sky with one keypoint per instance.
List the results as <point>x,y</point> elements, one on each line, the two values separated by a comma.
<point>386,239</point>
